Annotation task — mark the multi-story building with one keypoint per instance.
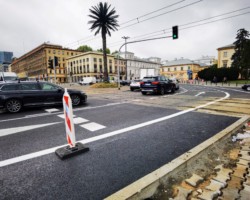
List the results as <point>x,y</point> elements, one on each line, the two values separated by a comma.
<point>182,69</point>
<point>225,54</point>
<point>90,64</point>
<point>35,63</point>
<point>135,64</point>
<point>207,60</point>
<point>5,60</point>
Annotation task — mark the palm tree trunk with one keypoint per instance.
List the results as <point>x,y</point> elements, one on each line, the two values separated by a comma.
<point>106,79</point>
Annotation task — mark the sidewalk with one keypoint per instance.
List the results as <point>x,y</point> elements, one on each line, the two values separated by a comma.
<point>209,83</point>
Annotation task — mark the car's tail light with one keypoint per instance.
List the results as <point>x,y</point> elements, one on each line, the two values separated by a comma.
<point>155,82</point>
<point>141,82</point>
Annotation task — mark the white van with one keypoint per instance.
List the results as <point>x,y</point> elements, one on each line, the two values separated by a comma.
<point>8,76</point>
<point>88,81</point>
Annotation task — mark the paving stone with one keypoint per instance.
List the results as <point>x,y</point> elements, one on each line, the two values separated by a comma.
<point>244,153</point>
<point>235,183</point>
<point>221,178</point>
<point>182,193</point>
<point>245,148</point>
<point>223,170</point>
<point>229,194</point>
<point>208,195</point>
<point>247,182</point>
<point>215,186</point>
<point>194,180</point>
<point>240,171</point>
<point>246,141</point>
<point>244,195</point>
<point>246,188</point>
<point>243,162</point>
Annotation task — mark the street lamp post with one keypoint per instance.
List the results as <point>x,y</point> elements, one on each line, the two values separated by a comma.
<point>125,38</point>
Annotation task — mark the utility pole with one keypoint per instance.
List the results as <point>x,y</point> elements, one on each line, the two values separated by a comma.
<point>125,38</point>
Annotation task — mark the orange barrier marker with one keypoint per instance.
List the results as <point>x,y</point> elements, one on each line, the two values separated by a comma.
<point>73,148</point>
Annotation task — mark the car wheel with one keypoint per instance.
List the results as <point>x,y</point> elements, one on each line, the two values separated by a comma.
<point>75,100</point>
<point>132,89</point>
<point>162,91</point>
<point>13,105</point>
<point>144,93</point>
<point>173,89</point>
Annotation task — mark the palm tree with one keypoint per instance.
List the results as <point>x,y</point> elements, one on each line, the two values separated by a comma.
<point>104,20</point>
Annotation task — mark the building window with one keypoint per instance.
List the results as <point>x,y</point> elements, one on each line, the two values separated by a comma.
<point>169,69</point>
<point>87,60</point>
<point>95,59</point>
<point>110,69</point>
<point>100,68</point>
<point>110,61</point>
<point>224,63</point>
<point>175,69</point>
<point>95,68</point>
<point>181,68</point>
<point>225,54</point>
<point>87,68</point>
<point>188,67</point>
<point>100,60</point>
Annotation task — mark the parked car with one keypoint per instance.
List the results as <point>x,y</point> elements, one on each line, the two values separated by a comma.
<point>88,81</point>
<point>135,85</point>
<point>125,82</point>
<point>16,95</point>
<point>8,76</point>
<point>246,87</point>
<point>157,85</point>
<point>176,82</point>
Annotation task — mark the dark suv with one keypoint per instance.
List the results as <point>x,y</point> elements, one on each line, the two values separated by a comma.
<point>16,95</point>
<point>157,85</point>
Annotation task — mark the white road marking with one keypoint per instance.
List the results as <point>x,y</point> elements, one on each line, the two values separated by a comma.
<point>47,114</point>
<point>52,110</point>
<point>96,138</point>
<point>79,120</point>
<point>9,131</point>
<point>199,94</point>
<point>93,126</point>
<point>137,100</point>
<point>62,116</point>
<point>153,98</point>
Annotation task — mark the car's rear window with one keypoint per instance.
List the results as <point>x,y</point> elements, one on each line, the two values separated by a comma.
<point>29,86</point>
<point>150,79</point>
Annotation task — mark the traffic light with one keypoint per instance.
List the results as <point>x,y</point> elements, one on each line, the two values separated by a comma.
<point>51,64</point>
<point>56,61</point>
<point>175,32</point>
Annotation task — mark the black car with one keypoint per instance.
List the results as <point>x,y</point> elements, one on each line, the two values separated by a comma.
<point>246,87</point>
<point>16,95</point>
<point>157,85</point>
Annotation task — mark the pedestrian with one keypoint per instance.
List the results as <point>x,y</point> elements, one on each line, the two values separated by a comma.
<point>225,79</point>
<point>215,79</point>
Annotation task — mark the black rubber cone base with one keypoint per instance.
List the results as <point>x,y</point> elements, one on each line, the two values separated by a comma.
<point>67,152</point>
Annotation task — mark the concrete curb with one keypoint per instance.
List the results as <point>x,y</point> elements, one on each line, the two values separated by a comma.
<point>147,186</point>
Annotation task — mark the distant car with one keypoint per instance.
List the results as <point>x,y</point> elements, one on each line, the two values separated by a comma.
<point>246,87</point>
<point>135,85</point>
<point>16,95</point>
<point>176,82</point>
<point>125,82</point>
<point>157,85</point>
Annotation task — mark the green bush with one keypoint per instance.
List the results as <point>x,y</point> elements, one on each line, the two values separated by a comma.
<point>104,85</point>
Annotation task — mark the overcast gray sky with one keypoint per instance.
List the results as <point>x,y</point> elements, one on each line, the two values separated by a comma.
<point>25,24</point>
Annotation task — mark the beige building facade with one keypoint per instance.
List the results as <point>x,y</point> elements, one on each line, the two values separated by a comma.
<point>183,69</point>
<point>34,64</point>
<point>224,55</point>
<point>90,64</point>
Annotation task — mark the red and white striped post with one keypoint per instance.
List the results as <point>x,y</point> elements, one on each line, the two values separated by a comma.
<point>68,115</point>
<point>73,148</point>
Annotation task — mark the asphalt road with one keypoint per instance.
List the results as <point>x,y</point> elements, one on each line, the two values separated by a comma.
<point>139,134</point>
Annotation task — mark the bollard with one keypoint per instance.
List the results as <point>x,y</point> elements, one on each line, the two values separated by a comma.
<point>73,148</point>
